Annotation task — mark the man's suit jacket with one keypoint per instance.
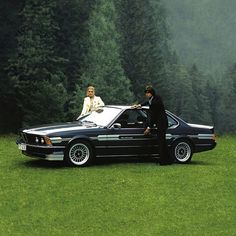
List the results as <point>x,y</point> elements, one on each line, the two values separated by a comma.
<point>157,115</point>
<point>97,102</point>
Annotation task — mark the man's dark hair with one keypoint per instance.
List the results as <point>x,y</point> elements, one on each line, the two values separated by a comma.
<point>150,89</point>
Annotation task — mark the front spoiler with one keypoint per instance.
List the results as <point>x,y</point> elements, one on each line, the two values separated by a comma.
<point>58,156</point>
<point>51,153</point>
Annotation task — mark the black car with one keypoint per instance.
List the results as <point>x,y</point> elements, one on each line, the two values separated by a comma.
<point>113,131</point>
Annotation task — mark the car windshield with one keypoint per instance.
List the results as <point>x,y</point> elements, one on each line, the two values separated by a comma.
<point>101,117</point>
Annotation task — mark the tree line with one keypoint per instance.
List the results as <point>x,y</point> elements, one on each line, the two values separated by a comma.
<point>203,32</point>
<point>50,50</point>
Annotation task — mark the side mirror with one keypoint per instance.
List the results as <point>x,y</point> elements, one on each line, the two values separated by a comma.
<point>116,126</point>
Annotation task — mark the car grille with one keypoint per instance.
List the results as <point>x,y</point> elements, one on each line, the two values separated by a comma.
<point>24,137</point>
<point>31,139</point>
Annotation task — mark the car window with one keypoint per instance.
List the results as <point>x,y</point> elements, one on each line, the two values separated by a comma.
<point>171,122</point>
<point>101,117</point>
<point>132,119</point>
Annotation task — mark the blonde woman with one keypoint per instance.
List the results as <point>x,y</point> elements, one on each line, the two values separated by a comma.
<point>91,102</point>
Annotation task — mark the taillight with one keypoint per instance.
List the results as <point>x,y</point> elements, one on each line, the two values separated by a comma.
<point>214,137</point>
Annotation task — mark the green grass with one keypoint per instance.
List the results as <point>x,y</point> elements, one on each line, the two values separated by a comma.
<point>118,197</point>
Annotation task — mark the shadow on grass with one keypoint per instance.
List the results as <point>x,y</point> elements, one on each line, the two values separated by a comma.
<point>38,163</point>
<point>200,163</point>
<point>140,160</point>
<point>111,161</point>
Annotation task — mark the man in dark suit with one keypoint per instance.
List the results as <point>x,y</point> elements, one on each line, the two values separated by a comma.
<point>157,118</point>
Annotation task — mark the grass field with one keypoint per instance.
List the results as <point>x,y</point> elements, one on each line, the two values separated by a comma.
<point>119,197</point>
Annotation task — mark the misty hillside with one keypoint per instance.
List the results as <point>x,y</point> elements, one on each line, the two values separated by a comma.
<point>203,32</point>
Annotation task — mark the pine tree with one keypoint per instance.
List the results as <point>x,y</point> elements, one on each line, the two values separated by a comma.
<point>226,109</point>
<point>102,66</point>
<point>181,100</point>
<point>37,66</point>
<point>10,118</point>
<point>201,107</point>
<point>71,41</point>
<point>212,90</point>
<point>144,44</point>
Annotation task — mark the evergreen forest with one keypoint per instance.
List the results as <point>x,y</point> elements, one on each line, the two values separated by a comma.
<point>50,50</point>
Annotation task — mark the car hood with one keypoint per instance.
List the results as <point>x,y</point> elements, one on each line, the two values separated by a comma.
<point>57,128</point>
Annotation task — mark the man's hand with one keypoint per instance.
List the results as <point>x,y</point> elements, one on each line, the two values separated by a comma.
<point>136,106</point>
<point>147,131</point>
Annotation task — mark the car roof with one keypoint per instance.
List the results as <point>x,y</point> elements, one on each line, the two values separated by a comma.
<point>123,107</point>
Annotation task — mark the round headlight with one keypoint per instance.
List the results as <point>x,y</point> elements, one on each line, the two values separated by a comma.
<point>36,139</point>
<point>42,140</point>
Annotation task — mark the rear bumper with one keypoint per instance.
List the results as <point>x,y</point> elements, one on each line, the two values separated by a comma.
<point>204,147</point>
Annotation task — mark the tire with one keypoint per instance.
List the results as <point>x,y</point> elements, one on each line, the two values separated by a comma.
<point>182,151</point>
<point>79,153</point>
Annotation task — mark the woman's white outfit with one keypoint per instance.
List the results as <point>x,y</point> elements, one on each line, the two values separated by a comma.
<point>91,104</point>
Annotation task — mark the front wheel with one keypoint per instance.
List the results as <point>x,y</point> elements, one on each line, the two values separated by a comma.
<point>79,153</point>
<point>182,151</point>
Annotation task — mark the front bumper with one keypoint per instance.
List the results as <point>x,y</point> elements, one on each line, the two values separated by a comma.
<point>51,153</point>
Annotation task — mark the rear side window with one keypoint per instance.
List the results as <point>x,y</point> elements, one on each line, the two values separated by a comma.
<point>171,122</point>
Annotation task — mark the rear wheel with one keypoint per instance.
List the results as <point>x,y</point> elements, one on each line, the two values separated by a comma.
<point>79,153</point>
<point>182,151</point>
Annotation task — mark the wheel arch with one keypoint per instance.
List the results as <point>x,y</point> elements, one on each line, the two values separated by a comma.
<point>87,152</point>
<point>81,138</point>
<point>181,150</point>
<point>182,138</point>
